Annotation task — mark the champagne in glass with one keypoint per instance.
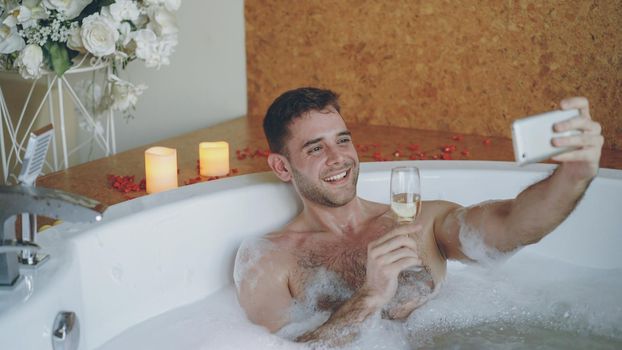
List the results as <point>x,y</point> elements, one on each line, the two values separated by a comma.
<point>405,193</point>
<point>406,205</point>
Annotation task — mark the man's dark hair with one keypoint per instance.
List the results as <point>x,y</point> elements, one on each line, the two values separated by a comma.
<point>294,104</point>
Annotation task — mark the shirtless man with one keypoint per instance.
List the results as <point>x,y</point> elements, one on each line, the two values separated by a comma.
<point>357,243</point>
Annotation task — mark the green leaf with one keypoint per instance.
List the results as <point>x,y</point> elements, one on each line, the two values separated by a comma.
<point>58,58</point>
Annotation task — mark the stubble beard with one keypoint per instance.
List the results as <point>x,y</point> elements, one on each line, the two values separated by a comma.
<point>323,196</point>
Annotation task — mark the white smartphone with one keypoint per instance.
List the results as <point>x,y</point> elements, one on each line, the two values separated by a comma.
<point>532,136</point>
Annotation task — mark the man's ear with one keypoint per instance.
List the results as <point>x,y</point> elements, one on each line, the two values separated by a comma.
<point>280,166</point>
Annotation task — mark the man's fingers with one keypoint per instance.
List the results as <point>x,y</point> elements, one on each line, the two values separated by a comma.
<point>391,245</point>
<point>579,123</point>
<point>398,231</point>
<point>581,103</point>
<point>405,263</point>
<point>583,140</point>
<point>400,253</point>
<point>581,155</point>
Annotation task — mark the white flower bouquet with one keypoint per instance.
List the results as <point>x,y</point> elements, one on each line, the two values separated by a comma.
<point>43,36</point>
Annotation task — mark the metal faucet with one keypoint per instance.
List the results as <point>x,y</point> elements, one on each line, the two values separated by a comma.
<point>15,200</point>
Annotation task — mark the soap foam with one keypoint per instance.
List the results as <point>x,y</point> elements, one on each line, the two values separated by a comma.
<point>525,303</point>
<point>531,292</point>
<point>472,242</point>
<point>250,252</point>
<point>305,314</point>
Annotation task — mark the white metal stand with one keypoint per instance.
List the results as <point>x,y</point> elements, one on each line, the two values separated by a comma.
<point>104,137</point>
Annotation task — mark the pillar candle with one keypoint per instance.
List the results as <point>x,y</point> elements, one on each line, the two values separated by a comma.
<point>214,158</point>
<point>160,169</point>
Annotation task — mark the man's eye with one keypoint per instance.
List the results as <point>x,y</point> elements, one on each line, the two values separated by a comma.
<point>314,149</point>
<point>344,140</point>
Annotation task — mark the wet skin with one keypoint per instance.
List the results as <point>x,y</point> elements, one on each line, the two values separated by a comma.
<point>345,255</point>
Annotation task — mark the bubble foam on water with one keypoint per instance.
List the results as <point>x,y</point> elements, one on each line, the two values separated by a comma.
<point>527,302</point>
<point>529,291</point>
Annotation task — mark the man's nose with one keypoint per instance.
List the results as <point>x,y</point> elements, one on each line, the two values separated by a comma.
<point>334,156</point>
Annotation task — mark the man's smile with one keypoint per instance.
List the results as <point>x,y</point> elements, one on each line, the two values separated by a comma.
<point>337,178</point>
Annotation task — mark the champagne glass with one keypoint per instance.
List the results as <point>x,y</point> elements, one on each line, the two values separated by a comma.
<point>406,205</point>
<point>405,193</point>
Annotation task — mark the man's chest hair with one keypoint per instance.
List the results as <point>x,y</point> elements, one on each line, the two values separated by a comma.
<point>346,256</point>
<point>347,260</point>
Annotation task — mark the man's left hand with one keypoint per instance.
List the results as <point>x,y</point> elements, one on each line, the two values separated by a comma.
<point>585,159</point>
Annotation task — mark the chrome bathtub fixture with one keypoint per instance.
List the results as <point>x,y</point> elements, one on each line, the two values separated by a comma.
<point>32,165</point>
<point>13,246</point>
<point>16,200</point>
<point>66,331</point>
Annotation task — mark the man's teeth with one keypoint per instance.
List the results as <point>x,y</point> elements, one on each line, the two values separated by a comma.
<point>336,177</point>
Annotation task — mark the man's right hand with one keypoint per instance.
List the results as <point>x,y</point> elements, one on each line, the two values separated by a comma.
<point>387,256</point>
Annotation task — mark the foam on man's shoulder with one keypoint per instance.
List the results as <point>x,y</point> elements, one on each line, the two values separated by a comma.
<point>472,241</point>
<point>251,251</point>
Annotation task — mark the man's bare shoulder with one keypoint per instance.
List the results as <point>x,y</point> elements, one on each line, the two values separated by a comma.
<point>269,248</point>
<point>256,253</point>
<point>261,276</point>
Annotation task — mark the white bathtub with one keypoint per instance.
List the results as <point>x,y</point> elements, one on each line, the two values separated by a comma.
<point>160,252</point>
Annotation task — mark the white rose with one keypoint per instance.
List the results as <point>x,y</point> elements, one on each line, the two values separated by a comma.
<point>167,47</point>
<point>99,35</point>
<point>29,61</point>
<point>123,10</point>
<point>24,17</point>
<point>125,94</point>
<point>69,8</point>
<point>10,41</point>
<point>74,39</point>
<point>155,52</point>
<point>146,43</point>
<point>162,21</point>
<point>29,13</point>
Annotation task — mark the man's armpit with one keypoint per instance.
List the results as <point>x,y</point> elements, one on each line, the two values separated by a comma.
<point>447,230</point>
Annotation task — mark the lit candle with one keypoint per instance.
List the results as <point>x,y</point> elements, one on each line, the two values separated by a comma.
<point>160,169</point>
<point>214,158</point>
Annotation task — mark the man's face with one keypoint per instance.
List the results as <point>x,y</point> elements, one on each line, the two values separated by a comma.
<point>324,161</point>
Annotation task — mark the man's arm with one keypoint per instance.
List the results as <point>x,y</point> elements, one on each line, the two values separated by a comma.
<point>261,279</point>
<point>264,293</point>
<point>536,211</point>
<point>343,325</point>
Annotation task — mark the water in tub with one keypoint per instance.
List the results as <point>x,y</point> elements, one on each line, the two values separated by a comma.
<point>528,302</point>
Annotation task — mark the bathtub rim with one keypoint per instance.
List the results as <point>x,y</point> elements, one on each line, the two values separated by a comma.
<point>135,205</point>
